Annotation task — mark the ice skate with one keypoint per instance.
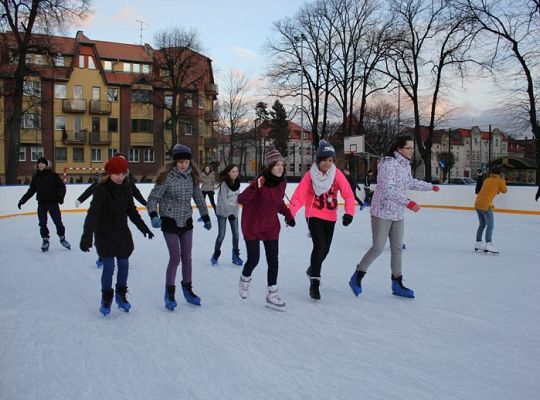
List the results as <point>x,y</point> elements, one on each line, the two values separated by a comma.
<point>489,249</point>
<point>274,300</point>
<point>244,286</point>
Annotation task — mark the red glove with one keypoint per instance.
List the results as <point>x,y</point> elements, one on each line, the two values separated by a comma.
<point>260,182</point>
<point>413,206</point>
<point>435,188</point>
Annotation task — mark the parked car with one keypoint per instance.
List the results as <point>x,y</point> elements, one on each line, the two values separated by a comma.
<point>462,180</point>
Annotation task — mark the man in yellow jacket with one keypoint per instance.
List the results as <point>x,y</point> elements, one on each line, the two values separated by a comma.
<point>493,184</point>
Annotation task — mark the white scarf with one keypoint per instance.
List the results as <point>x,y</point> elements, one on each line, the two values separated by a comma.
<point>322,182</point>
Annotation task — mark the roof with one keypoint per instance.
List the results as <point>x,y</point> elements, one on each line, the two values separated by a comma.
<point>123,51</point>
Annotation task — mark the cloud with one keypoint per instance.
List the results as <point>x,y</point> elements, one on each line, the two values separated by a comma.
<point>244,53</point>
<point>126,15</point>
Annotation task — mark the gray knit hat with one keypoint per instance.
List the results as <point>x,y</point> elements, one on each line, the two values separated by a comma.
<point>181,152</point>
<point>272,156</point>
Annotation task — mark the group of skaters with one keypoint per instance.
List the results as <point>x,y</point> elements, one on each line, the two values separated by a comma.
<point>179,182</point>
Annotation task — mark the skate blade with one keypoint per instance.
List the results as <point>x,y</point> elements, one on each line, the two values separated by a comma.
<point>493,253</point>
<point>275,308</point>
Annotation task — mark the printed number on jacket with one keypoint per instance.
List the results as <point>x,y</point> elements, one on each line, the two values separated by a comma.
<point>328,200</point>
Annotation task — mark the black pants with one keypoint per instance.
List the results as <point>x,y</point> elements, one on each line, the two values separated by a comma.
<point>211,197</point>
<point>271,249</point>
<point>54,210</point>
<point>322,232</point>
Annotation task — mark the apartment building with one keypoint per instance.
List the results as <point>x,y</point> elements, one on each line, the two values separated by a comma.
<point>85,100</point>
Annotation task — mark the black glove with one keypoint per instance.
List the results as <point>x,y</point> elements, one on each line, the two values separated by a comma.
<point>61,201</point>
<point>19,204</point>
<point>347,219</point>
<point>291,222</point>
<point>231,218</point>
<point>86,243</point>
<point>535,197</point>
<point>148,234</point>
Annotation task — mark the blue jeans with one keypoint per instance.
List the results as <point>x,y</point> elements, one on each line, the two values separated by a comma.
<point>485,218</point>
<point>108,270</point>
<point>222,225</point>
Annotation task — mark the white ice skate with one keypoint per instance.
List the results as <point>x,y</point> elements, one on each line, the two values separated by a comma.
<point>489,249</point>
<point>479,246</point>
<point>274,300</point>
<point>244,286</point>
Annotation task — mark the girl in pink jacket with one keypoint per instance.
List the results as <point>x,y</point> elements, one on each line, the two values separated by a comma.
<point>318,192</point>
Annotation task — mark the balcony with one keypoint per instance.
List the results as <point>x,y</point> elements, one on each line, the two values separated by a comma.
<point>211,88</point>
<point>74,105</point>
<point>30,136</point>
<point>210,143</point>
<point>100,138</point>
<point>100,107</point>
<point>142,139</point>
<point>74,137</point>
<point>210,116</point>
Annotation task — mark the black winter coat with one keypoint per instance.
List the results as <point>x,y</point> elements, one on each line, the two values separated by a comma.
<point>107,216</point>
<point>49,188</point>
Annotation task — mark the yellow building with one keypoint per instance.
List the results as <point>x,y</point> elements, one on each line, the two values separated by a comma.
<point>86,100</point>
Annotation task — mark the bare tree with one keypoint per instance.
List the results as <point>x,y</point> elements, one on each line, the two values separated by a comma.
<point>380,127</point>
<point>22,21</point>
<point>515,27</point>
<point>179,71</point>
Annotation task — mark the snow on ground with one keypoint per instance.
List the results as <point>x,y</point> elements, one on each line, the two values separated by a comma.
<point>473,332</point>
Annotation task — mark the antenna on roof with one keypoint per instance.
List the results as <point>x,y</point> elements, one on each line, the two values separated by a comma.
<point>141,29</point>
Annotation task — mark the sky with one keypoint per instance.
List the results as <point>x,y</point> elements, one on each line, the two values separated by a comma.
<point>233,34</point>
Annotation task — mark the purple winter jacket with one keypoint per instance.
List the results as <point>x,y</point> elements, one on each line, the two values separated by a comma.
<point>393,180</point>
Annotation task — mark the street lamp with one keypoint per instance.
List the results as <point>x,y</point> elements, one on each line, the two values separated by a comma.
<point>300,38</point>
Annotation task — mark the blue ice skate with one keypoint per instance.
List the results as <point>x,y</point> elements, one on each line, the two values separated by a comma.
<point>399,290</point>
<point>170,302</point>
<point>121,299</point>
<point>236,260</point>
<point>106,301</point>
<point>190,297</point>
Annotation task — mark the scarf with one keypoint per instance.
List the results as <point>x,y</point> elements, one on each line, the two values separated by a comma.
<point>234,186</point>
<point>322,182</point>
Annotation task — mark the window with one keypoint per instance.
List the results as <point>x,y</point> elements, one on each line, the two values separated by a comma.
<point>141,125</point>
<point>60,91</point>
<point>78,154</point>
<point>127,67</point>
<point>141,96</point>
<point>91,64</point>
<point>134,155</point>
<point>60,154</point>
<point>38,59</point>
<point>77,124</point>
<point>22,153</point>
<point>148,155</point>
<point>59,122</point>
<point>36,152</point>
<point>146,69</point>
<point>58,60</point>
<point>496,142</point>
<point>32,88</point>
<point>188,100</point>
<point>112,125</point>
<point>96,155</point>
<point>107,65</point>
<point>96,92</point>
<point>31,121</point>
<point>168,100</point>
<point>112,153</point>
<point>81,61</point>
<point>112,94</point>
<point>77,92</point>
<point>188,128</point>
<point>29,59</point>
<point>137,68</point>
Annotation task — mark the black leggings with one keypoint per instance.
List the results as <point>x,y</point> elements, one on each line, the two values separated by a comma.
<point>211,196</point>
<point>322,232</point>
<point>271,249</point>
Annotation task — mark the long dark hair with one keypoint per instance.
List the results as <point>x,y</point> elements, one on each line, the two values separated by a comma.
<point>266,170</point>
<point>223,175</point>
<point>167,168</point>
<point>398,143</point>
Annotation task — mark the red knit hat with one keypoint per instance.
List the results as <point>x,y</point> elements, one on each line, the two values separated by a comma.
<point>116,165</point>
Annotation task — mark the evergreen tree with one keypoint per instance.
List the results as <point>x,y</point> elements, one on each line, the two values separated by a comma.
<point>280,128</point>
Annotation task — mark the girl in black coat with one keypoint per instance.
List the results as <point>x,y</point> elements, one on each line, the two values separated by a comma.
<point>107,216</point>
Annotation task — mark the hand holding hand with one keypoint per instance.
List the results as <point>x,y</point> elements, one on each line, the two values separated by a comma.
<point>290,222</point>
<point>347,219</point>
<point>156,222</point>
<point>413,206</point>
<point>260,182</point>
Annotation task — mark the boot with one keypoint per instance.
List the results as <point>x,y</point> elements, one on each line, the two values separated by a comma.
<point>121,299</point>
<point>244,286</point>
<point>490,249</point>
<point>65,243</point>
<point>314,288</point>
<point>170,302</point>
<point>273,299</point>
<point>215,256</point>
<point>356,282</point>
<point>106,301</point>
<point>479,246</point>
<point>236,258</point>
<point>45,244</point>
<point>399,290</point>
<point>190,297</point>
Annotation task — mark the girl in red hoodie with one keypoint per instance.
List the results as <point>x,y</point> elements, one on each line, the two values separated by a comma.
<point>317,191</point>
<point>262,200</point>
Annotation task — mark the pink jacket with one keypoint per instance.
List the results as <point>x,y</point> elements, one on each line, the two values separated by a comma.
<point>323,206</point>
